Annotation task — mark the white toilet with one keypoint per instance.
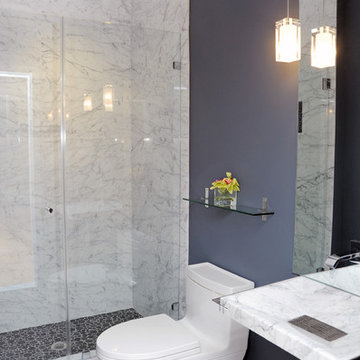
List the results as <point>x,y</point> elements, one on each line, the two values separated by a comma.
<point>205,332</point>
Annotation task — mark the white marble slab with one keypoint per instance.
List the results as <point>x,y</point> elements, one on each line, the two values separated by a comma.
<point>267,310</point>
<point>346,279</point>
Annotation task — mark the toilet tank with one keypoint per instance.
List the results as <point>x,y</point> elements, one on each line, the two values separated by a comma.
<point>205,282</point>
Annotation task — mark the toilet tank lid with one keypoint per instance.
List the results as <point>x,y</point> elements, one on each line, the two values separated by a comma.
<point>218,280</point>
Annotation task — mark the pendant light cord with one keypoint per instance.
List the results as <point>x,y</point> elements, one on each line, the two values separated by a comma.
<point>288,12</point>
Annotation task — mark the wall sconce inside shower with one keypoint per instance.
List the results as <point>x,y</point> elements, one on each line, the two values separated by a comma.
<point>108,96</point>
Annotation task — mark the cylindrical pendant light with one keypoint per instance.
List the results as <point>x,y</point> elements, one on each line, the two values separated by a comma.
<point>323,47</point>
<point>288,39</point>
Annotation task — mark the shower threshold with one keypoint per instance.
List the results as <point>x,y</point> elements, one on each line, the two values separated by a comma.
<point>47,342</point>
<point>79,356</point>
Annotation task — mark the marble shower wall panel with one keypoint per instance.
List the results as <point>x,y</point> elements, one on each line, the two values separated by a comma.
<point>16,254</point>
<point>102,149</point>
<point>156,161</point>
<point>167,15</point>
<point>30,45</point>
<point>98,168</point>
<point>315,163</point>
<point>100,10</point>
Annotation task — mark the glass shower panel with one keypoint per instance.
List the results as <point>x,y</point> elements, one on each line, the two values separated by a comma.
<point>98,167</point>
<point>155,160</point>
<point>122,111</point>
<point>32,283</point>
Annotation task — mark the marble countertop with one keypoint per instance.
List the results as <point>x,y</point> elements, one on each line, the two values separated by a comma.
<point>346,278</point>
<point>266,311</point>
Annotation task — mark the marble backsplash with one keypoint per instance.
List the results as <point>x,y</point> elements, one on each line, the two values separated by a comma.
<point>126,228</point>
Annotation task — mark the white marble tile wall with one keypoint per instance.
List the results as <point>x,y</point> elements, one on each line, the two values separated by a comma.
<point>15,218</point>
<point>102,10</point>
<point>110,249</point>
<point>30,44</point>
<point>315,163</point>
<point>167,15</point>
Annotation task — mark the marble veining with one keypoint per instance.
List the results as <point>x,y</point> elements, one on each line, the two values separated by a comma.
<point>165,15</point>
<point>98,168</point>
<point>267,310</point>
<point>157,160</point>
<point>127,229</point>
<point>316,146</point>
<point>30,45</point>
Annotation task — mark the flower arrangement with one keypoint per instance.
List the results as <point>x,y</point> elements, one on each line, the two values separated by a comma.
<point>225,191</point>
<point>227,184</point>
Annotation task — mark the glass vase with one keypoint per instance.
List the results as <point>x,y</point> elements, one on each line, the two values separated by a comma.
<point>224,199</point>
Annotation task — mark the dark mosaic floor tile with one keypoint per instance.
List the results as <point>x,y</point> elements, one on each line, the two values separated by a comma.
<point>35,343</point>
<point>84,331</point>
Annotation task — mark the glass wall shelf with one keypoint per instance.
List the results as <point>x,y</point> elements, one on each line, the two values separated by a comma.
<point>242,209</point>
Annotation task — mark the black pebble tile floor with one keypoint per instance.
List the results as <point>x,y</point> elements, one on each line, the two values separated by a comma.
<point>35,343</point>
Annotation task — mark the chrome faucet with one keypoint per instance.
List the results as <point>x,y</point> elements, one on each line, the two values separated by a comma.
<point>333,261</point>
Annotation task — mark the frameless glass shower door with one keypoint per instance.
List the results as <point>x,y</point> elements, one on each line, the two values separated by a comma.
<point>122,111</point>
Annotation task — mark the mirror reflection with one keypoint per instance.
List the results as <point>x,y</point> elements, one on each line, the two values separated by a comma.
<point>316,137</point>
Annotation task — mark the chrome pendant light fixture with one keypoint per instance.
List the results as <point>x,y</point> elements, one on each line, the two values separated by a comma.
<point>288,39</point>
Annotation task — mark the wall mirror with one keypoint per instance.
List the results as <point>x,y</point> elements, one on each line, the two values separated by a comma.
<point>316,145</point>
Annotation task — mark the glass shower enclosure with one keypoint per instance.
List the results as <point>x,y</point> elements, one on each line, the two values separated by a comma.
<point>89,180</point>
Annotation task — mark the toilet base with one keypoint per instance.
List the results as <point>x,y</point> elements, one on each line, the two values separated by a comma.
<point>237,356</point>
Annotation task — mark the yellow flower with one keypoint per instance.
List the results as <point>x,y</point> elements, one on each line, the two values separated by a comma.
<point>228,183</point>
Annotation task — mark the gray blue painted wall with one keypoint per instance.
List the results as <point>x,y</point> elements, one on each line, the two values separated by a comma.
<point>243,119</point>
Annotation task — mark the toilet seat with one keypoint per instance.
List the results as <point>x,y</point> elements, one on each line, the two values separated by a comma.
<point>150,338</point>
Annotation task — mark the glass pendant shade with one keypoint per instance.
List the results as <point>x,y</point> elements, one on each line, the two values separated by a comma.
<point>323,47</point>
<point>288,40</point>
